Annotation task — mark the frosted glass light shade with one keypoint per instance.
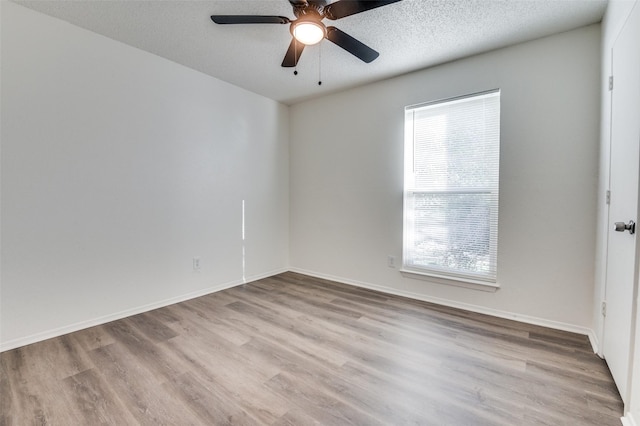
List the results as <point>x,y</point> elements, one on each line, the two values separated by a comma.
<point>308,32</point>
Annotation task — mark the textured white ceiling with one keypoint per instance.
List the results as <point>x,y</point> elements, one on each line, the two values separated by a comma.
<point>409,35</point>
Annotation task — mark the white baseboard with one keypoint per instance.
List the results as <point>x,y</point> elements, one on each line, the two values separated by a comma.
<point>38,337</point>
<point>12,344</point>
<point>629,420</point>
<point>465,306</point>
<point>595,343</point>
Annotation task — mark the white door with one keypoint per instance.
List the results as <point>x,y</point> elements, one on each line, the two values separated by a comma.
<point>625,157</point>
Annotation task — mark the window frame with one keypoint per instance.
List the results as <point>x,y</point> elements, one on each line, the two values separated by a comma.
<point>486,282</point>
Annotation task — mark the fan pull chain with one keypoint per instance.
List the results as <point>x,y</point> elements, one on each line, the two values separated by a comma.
<point>295,55</point>
<point>320,65</point>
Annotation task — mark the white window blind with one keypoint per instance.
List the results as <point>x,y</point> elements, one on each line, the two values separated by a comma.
<point>452,156</point>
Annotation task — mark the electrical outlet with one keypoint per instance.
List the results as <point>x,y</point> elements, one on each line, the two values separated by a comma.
<point>391,261</point>
<point>196,263</point>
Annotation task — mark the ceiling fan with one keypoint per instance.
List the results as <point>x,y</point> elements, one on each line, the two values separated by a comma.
<point>308,28</point>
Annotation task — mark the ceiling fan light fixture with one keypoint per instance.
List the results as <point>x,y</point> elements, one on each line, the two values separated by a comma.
<point>308,32</point>
<point>307,29</point>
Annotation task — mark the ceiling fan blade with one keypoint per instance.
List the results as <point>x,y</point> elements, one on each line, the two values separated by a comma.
<point>351,45</point>
<point>293,53</point>
<point>249,19</point>
<point>343,8</point>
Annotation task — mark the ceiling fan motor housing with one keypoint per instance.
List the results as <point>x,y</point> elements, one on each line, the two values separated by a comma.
<point>300,10</point>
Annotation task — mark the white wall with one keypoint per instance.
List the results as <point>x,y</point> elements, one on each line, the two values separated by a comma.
<point>118,167</point>
<point>346,179</point>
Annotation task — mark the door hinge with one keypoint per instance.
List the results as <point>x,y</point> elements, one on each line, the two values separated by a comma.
<point>608,197</point>
<point>604,308</point>
<point>610,82</point>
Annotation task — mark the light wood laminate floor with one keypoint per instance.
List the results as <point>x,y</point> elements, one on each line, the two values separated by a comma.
<point>296,350</point>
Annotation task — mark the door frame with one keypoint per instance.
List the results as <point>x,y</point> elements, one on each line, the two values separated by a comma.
<point>635,305</point>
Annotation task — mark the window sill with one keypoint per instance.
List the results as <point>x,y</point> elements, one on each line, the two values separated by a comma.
<point>452,281</point>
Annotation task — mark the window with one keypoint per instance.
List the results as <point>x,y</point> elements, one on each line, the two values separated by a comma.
<point>452,153</point>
